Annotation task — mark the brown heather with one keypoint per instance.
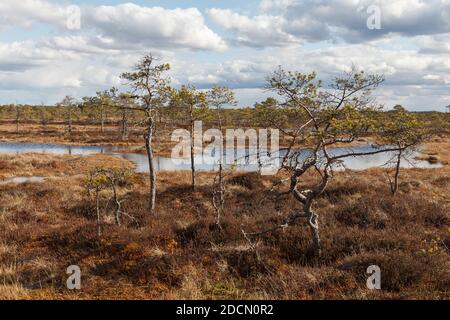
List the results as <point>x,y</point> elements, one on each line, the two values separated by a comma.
<point>181,254</point>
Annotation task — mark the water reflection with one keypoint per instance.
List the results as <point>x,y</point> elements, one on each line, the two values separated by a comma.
<point>246,160</point>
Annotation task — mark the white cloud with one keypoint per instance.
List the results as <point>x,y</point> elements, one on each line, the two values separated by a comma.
<point>77,43</point>
<point>287,21</point>
<point>257,31</point>
<point>36,65</point>
<point>18,56</point>
<point>132,25</point>
<point>121,26</point>
<point>411,50</point>
<point>410,77</point>
<point>55,65</point>
<point>27,12</point>
<point>274,5</point>
<point>434,44</point>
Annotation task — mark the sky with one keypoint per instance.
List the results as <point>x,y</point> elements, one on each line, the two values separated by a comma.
<point>50,49</point>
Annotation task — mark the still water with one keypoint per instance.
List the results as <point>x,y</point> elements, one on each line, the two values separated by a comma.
<point>246,160</point>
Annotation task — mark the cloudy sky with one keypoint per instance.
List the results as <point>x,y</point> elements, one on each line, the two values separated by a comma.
<point>46,52</point>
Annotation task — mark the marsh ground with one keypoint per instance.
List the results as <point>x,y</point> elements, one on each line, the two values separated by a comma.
<point>180,254</point>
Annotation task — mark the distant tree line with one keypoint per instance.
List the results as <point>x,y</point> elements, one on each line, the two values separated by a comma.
<point>96,111</point>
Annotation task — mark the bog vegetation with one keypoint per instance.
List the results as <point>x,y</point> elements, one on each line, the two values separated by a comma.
<point>309,231</point>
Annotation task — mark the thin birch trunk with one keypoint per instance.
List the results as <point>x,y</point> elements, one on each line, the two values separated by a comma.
<point>97,201</point>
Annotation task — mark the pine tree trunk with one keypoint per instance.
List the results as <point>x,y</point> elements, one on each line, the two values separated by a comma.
<point>314,227</point>
<point>99,228</point>
<point>118,205</point>
<point>70,120</point>
<point>102,120</point>
<point>17,119</point>
<point>394,185</point>
<point>192,154</point>
<point>124,126</point>
<point>148,145</point>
